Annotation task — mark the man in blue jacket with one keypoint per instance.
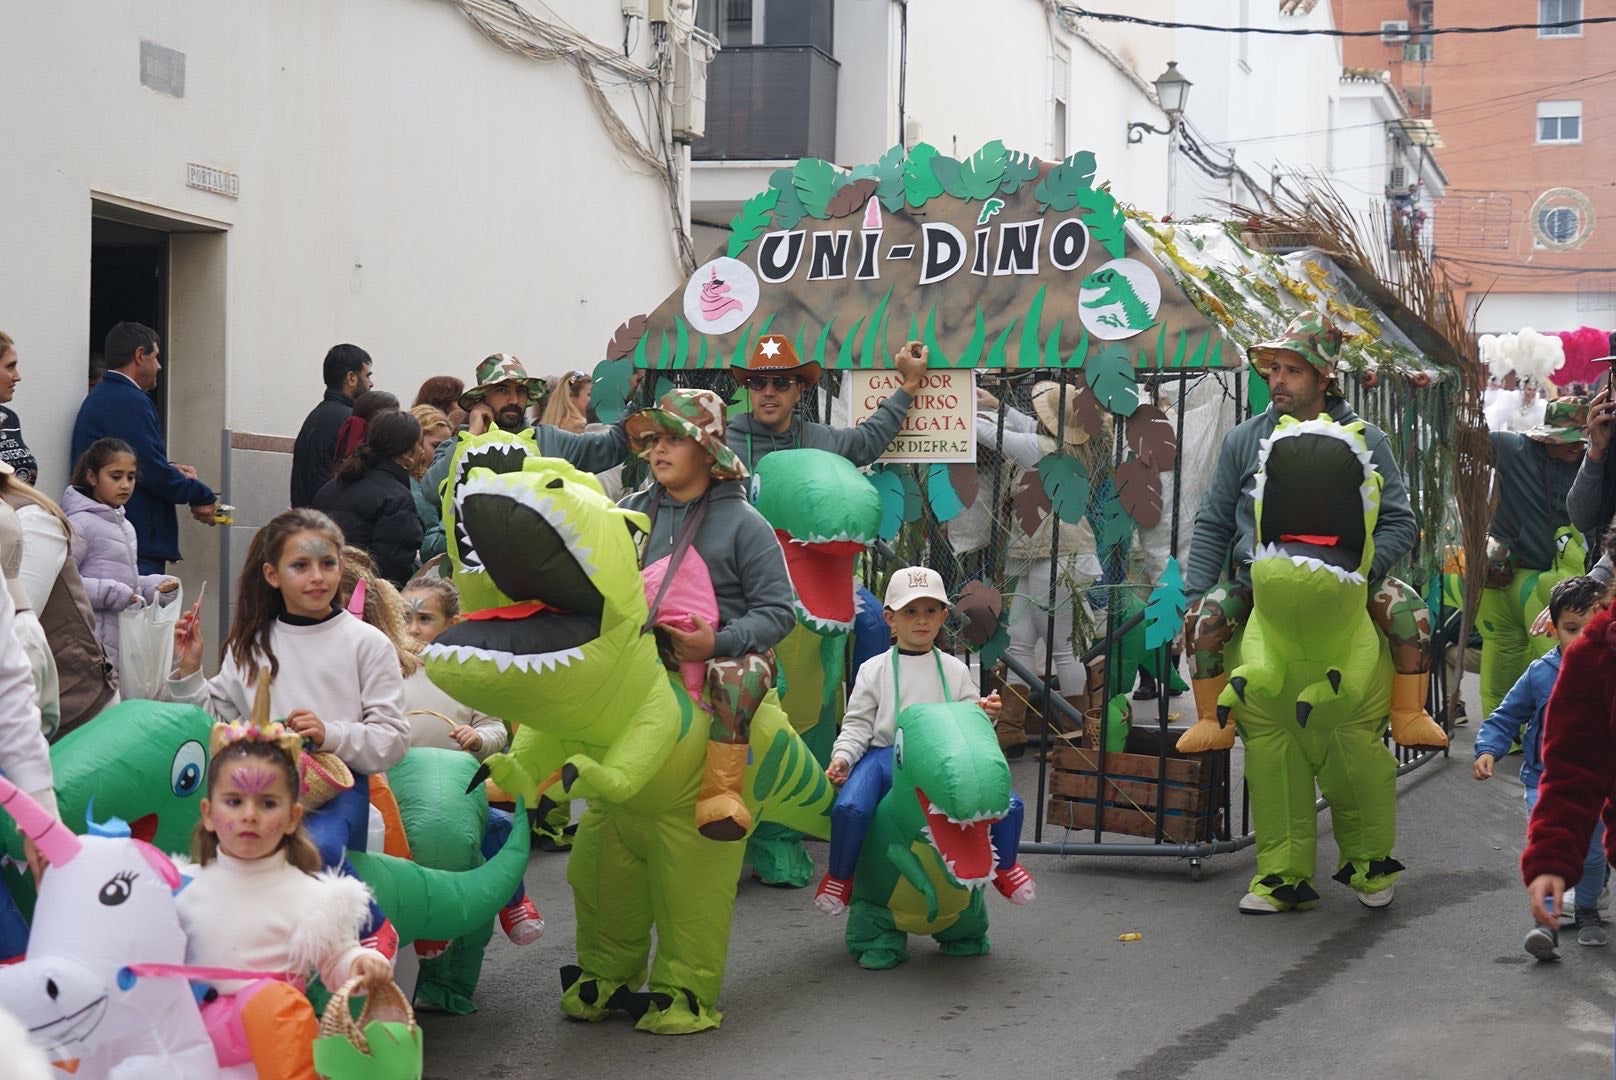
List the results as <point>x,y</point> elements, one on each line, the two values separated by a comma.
<point>120,407</point>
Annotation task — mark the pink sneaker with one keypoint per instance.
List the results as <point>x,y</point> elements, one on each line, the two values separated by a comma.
<point>1014,884</point>
<point>833,895</point>
<point>522,922</point>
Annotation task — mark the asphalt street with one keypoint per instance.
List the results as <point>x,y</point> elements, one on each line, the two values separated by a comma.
<point>1436,985</point>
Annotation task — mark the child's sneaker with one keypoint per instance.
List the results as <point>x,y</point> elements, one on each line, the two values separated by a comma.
<point>1543,943</point>
<point>833,895</point>
<point>1014,884</point>
<point>1591,929</point>
<point>430,950</point>
<point>522,922</point>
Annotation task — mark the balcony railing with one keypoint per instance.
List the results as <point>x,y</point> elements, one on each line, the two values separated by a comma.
<point>769,103</point>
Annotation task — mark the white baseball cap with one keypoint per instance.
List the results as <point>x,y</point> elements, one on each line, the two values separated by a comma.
<point>913,582</point>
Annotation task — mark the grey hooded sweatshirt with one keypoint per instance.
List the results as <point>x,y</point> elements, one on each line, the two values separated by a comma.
<point>742,555</point>
<point>861,444</point>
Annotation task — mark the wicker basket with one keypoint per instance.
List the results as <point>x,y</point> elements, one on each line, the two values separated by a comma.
<point>338,1017</point>
<point>325,776</point>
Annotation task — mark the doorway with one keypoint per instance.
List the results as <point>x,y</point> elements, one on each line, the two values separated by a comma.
<point>128,283</point>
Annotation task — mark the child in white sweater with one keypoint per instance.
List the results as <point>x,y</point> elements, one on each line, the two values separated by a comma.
<point>336,681</point>
<point>25,760</point>
<point>914,672</point>
<point>258,903</point>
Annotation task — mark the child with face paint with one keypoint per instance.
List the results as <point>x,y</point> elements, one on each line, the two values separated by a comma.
<point>336,681</point>
<point>258,903</point>
<point>431,606</point>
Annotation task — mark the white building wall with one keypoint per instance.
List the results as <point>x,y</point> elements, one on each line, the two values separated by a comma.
<point>405,184</point>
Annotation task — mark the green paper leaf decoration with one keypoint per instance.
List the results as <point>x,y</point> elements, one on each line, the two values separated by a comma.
<point>1031,502</point>
<point>947,170</point>
<point>1066,482</point>
<point>1110,374</point>
<point>981,605</point>
<point>788,208</point>
<point>1151,437</point>
<point>1019,168</point>
<point>979,174</point>
<point>889,179</point>
<point>1060,190</point>
<point>1139,491</point>
<point>751,221</point>
<point>1106,222</point>
<point>919,181</point>
<point>815,181</point>
<point>626,336</point>
<point>1164,611</point>
<point>1256,391</point>
<point>1112,526</point>
<point>608,393</point>
<point>945,501</point>
<point>997,645</point>
<point>900,498</point>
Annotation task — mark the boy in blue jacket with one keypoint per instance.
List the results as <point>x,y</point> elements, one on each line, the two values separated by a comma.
<point>1572,603</point>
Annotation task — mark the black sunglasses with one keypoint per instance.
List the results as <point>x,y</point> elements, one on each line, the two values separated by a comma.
<point>760,382</point>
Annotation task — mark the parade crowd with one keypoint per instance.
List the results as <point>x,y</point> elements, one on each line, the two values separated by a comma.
<point>321,666</point>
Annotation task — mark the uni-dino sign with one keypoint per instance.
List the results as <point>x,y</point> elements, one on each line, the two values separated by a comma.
<point>998,260</point>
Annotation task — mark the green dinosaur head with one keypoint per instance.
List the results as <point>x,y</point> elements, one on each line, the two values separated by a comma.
<point>499,451</point>
<point>1317,501</point>
<point>826,513</point>
<point>950,783</point>
<point>556,565</point>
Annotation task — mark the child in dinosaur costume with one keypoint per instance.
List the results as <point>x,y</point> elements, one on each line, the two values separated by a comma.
<point>1300,369</point>
<point>1311,682</point>
<point>562,652</point>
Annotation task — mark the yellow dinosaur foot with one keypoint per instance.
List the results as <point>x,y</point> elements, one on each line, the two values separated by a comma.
<point>1215,728</point>
<point>720,812</point>
<point>1411,725</point>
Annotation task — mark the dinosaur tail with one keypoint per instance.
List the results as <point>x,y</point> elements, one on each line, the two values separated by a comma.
<point>785,782</point>
<point>442,905</point>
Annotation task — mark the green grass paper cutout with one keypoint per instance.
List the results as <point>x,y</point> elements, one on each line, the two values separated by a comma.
<point>1164,611</point>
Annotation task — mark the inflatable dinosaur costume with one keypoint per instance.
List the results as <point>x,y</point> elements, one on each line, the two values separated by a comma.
<point>1310,678</point>
<point>928,854</point>
<point>563,656</point>
<point>826,514</point>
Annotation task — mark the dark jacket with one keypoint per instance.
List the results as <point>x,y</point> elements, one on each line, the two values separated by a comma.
<point>118,409</point>
<point>316,442</point>
<point>376,512</point>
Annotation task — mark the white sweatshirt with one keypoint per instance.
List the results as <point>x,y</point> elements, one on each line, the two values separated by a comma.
<point>342,670</point>
<point>266,915</point>
<point>423,698</point>
<point>871,718</point>
<point>24,754</point>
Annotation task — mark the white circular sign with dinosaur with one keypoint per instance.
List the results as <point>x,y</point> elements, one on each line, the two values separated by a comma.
<point>1119,299</point>
<point>721,296</point>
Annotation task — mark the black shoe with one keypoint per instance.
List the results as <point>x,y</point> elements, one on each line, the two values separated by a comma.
<point>1147,688</point>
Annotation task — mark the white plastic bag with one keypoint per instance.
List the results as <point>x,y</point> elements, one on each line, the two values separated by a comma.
<point>146,646</point>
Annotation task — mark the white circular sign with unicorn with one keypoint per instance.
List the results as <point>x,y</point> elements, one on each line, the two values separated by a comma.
<point>721,296</point>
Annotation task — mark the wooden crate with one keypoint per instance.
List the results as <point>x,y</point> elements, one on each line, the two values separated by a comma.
<point>1188,800</point>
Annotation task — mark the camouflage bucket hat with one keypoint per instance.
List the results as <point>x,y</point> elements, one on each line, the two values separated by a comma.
<point>695,414</point>
<point>1311,336</point>
<point>497,370</point>
<point>1565,421</point>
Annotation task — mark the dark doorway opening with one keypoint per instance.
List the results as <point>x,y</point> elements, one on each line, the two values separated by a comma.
<point>128,282</point>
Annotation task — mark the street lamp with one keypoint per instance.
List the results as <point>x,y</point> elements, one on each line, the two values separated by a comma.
<point>1172,93</point>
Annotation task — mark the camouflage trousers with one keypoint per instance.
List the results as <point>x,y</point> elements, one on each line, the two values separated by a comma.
<point>1399,611</point>
<point>736,687</point>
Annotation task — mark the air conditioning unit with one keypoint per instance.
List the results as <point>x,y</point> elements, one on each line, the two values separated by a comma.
<point>1428,14</point>
<point>1397,180</point>
<point>1394,31</point>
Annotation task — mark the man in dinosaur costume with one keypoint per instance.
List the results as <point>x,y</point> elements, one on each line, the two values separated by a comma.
<point>826,514</point>
<point>1312,677</point>
<point>564,655</point>
<point>1300,369</point>
<point>928,854</point>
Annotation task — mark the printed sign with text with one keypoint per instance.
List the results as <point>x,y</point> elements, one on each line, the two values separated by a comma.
<point>941,424</point>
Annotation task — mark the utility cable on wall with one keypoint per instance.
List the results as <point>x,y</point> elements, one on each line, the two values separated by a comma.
<point>1139,20</point>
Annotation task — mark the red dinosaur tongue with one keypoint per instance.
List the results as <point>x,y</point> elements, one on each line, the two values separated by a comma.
<point>510,611</point>
<point>967,850</point>
<point>822,575</point>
